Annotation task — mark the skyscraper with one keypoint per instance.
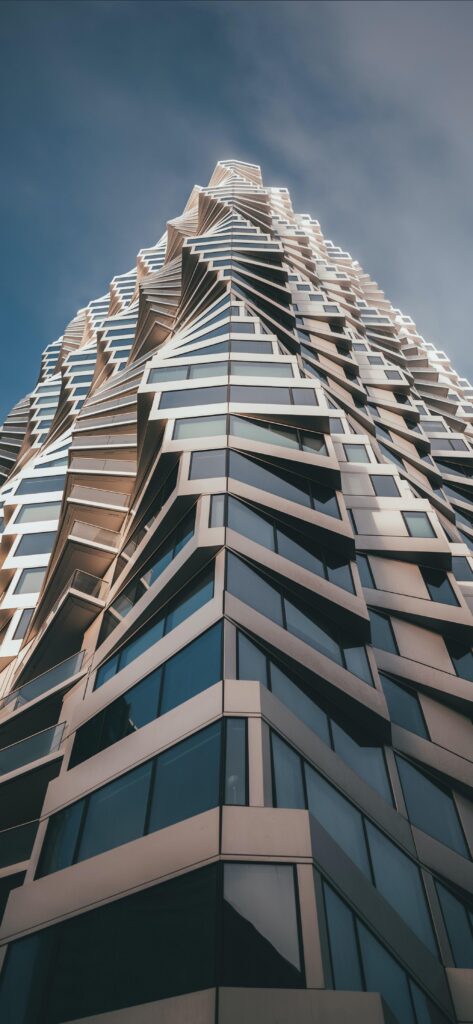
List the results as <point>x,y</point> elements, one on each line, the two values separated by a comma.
<point>236,624</point>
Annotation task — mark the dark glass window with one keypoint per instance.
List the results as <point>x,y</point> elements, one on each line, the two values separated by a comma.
<point>458,917</point>
<point>35,544</point>
<point>254,590</point>
<point>194,596</point>
<point>291,545</point>
<point>364,569</point>
<point>189,778</point>
<point>350,744</point>
<point>116,813</point>
<point>404,708</point>
<point>338,817</point>
<point>462,569</point>
<point>382,635</point>
<point>360,961</point>
<point>205,465</point>
<point>418,524</point>
<point>40,484</point>
<point>385,486</point>
<point>261,934</point>
<point>431,807</point>
<point>192,396</point>
<point>438,585</point>
<point>70,970</point>
<point>23,623</point>
<point>356,453</point>
<point>462,658</point>
<point>388,868</point>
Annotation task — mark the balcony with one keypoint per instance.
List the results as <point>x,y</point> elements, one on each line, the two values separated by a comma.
<point>43,683</point>
<point>17,843</point>
<point>32,748</point>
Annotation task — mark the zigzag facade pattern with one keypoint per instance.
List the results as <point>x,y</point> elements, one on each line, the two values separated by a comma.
<point>236,668</point>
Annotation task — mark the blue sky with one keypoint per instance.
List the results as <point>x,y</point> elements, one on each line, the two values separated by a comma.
<point>112,111</point>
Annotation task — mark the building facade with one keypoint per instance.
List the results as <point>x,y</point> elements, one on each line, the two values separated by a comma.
<point>236,675</point>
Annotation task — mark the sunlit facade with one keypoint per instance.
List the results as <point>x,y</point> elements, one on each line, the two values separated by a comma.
<point>236,675</point>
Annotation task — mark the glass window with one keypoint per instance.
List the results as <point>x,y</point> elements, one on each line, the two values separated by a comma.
<point>164,374</point>
<point>287,774</point>
<point>252,589</point>
<point>192,597</point>
<point>343,943</point>
<point>398,879</point>
<point>458,917</point>
<point>418,524</point>
<point>383,974</point>
<point>299,703</point>
<point>359,962</point>
<point>338,817</point>
<point>260,395</point>
<point>356,453</point>
<point>252,663</point>
<point>261,936</point>
<point>385,486</point>
<point>255,527</point>
<point>235,785</point>
<point>366,760</point>
<point>462,658</point>
<point>187,779</point>
<point>69,971</point>
<point>286,485</point>
<point>116,813</point>
<point>215,369</point>
<point>60,841</point>
<point>338,571</point>
<point>23,623</point>
<point>462,569</point>
<point>217,510</point>
<point>255,369</point>
<point>382,635</point>
<point>192,396</point>
<point>438,585</point>
<point>364,569</point>
<point>431,808</point>
<point>182,680</point>
<point>35,544</point>
<point>40,484</point>
<point>200,426</point>
<point>38,513</point>
<point>267,433</point>
<point>206,465</point>
<point>403,706</point>
<point>29,581</point>
<point>312,631</point>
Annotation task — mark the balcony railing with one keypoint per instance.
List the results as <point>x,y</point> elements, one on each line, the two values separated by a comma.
<point>17,755</point>
<point>16,843</point>
<point>95,534</point>
<point>98,496</point>
<point>41,684</point>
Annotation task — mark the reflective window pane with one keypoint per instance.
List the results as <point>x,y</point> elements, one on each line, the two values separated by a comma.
<point>187,779</point>
<point>431,808</point>
<point>116,813</point>
<point>338,817</point>
<point>261,940</point>
<point>288,780</point>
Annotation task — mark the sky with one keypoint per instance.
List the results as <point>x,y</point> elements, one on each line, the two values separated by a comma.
<point>111,112</point>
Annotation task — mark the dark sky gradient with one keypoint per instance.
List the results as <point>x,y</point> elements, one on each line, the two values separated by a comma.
<point>112,111</point>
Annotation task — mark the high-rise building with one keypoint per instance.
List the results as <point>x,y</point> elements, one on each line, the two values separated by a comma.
<point>236,683</point>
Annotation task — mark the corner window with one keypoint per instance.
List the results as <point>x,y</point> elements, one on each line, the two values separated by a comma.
<point>431,807</point>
